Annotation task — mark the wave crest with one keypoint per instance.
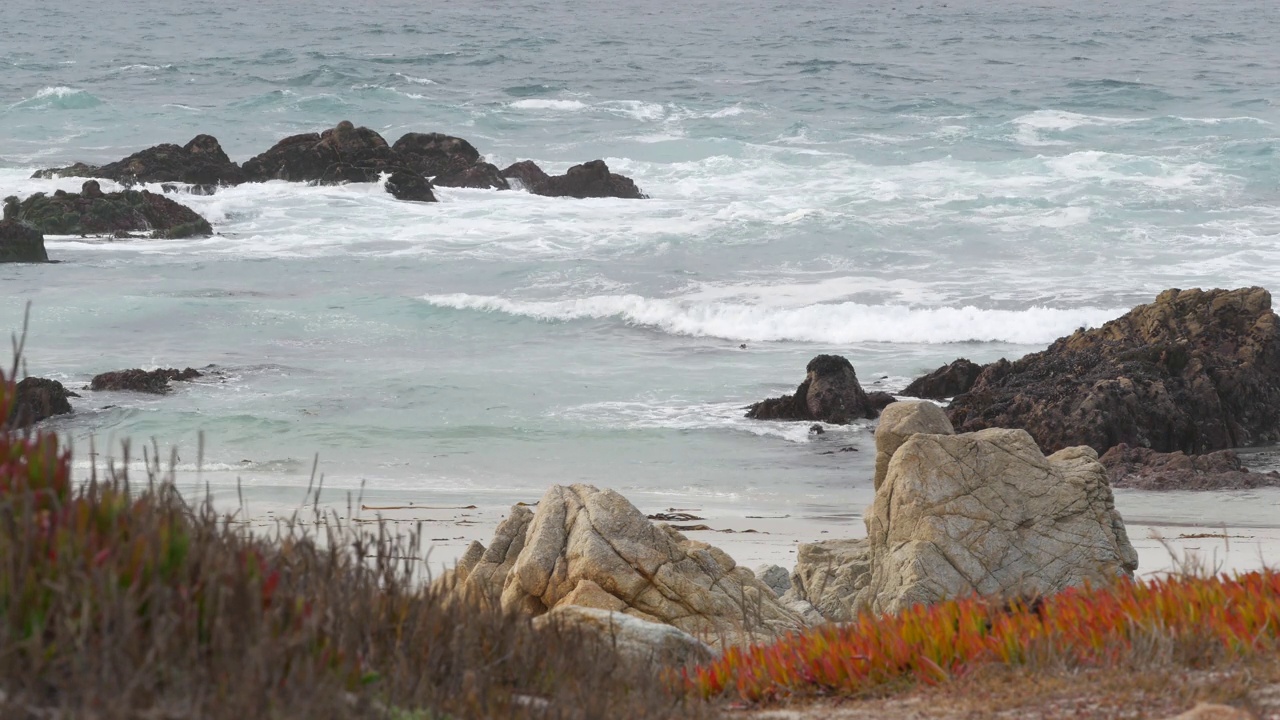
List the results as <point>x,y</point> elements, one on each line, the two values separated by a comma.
<point>832,323</point>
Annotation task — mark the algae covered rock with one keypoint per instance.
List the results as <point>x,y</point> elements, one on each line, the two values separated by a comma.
<point>201,161</point>
<point>1195,370</point>
<point>38,399</point>
<point>952,379</point>
<point>155,382</point>
<point>93,212</point>
<point>830,393</point>
<point>21,243</point>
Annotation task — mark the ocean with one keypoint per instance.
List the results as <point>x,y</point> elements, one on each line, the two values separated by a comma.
<point>896,182</point>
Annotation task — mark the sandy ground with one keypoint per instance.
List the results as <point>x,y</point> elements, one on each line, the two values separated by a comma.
<point>756,538</point>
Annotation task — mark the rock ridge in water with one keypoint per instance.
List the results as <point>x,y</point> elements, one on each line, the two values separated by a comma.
<point>830,393</point>
<point>21,243</point>
<point>1195,371</point>
<point>37,399</point>
<point>588,180</point>
<point>1146,469</point>
<point>200,162</point>
<point>346,153</point>
<point>93,212</point>
<point>155,382</point>
<point>948,381</point>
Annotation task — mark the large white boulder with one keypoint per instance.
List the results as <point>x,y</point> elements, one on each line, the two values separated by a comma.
<point>592,548</point>
<point>988,513</point>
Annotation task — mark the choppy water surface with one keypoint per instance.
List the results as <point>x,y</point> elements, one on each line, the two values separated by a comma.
<point>899,183</point>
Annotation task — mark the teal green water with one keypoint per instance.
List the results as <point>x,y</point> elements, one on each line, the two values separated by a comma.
<point>899,183</point>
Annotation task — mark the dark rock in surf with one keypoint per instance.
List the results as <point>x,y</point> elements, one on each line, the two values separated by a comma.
<point>591,180</point>
<point>945,382</point>
<point>527,173</point>
<point>93,212</point>
<point>410,186</point>
<point>830,393</point>
<point>200,162</point>
<point>1195,371</point>
<point>588,180</point>
<point>435,154</point>
<point>38,399</point>
<point>341,154</point>
<point>77,170</point>
<point>155,382</point>
<point>20,242</point>
<point>483,176</point>
<point>879,400</point>
<point>1145,469</point>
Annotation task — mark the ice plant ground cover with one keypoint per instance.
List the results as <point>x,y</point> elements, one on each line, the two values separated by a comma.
<point>1192,620</point>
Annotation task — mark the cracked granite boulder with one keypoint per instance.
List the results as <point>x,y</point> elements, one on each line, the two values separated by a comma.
<point>831,575</point>
<point>590,547</point>
<point>900,421</point>
<point>987,513</point>
<point>633,639</point>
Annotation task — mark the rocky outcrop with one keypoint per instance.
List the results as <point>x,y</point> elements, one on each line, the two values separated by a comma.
<point>20,242</point>
<point>633,639</point>
<point>155,382</point>
<point>1146,469</point>
<point>830,575</point>
<point>830,393</point>
<point>901,421</point>
<point>93,212</point>
<point>200,162</point>
<point>38,399</point>
<point>341,154</point>
<point>349,154</point>
<point>945,382</point>
<point>77,170</point>
<point>592,548</point>
<point>776,577</point>
<point>527,174</point>
<point>879,400</point>
<point>1194,371</point>
<point>435,154</point>
<point>405,185</point>
<point>588,180</point>
<point>987,513</point>
<point>482,176</point>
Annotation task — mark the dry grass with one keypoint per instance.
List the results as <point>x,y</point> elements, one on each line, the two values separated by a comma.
<point>129,602</point>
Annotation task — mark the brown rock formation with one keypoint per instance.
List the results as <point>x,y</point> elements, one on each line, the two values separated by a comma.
<point>1195,371</point>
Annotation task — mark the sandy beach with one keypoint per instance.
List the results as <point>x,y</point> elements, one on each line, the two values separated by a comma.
<point>1229,532</point>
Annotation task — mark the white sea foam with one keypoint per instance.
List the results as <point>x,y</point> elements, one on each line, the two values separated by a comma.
<point>415,80</point>
<point>676,415</point>
<point>1032,126</point>
<point>547,104</point>
<point>59,96</point>
<point>833,323</point>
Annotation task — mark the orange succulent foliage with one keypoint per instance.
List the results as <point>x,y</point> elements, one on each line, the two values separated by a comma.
<point>1191,619</point>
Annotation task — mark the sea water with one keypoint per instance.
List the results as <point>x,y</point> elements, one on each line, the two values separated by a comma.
<point>901,183</point>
